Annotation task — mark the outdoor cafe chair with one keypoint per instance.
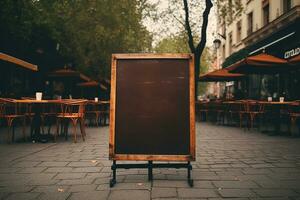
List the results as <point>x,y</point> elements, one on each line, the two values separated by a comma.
<point>221,110</point>
<point>216,111</point>
<point>202,110</point>
<point>294,113</point>
<point>93,112</point>
<point>252,109</point>
<point>234,112</point>
<point>48,115</point>
<point>10,112</point>
<point>73,111</point>
<point>104,113</point>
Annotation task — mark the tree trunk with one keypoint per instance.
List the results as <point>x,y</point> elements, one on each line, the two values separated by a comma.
<point>197,71</point>
<point>197,50</point>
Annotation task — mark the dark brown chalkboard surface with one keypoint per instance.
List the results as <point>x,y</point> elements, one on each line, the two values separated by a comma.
<point>152,107</point>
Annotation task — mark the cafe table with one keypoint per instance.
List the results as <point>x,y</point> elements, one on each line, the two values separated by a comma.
<point>276,107</point>
<point>37,111</point>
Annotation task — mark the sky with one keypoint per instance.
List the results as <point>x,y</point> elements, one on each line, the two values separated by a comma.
<point>172,26</point>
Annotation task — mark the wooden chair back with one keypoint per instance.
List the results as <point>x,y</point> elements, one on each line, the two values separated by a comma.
<point>74,107</point>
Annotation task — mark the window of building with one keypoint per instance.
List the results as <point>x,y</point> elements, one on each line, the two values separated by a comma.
<point>250,23</point>
<point>223,29</point>
<point>238,31</point>
<point>230,43</point>
<point>287,5</point>
<point>223,52</point>
<point>266,14</point>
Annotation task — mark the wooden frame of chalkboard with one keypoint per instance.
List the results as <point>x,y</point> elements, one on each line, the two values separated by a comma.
<point>118,59</point>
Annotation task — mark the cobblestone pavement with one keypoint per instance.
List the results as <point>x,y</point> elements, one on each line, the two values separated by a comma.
<point>231,164</point>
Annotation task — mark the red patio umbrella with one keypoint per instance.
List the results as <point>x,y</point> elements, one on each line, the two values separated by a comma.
<point>62,73</point>
<point>220,75</point>
<point>92,84</point>
<point>259,64</point>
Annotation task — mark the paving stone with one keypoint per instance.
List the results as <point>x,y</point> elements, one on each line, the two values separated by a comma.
<point>235,184</point>
<point>3,195</point>
<point>82,188</point>
<point>163,192</point>
<point>87,169</point>
<point>220,166</point>
<point>168,183</point>
<point>103,187</point>
<point>26,164</point>
<point>58,169</point>
<point>53,164</point>
<point>203,184</point>
<point>132,186</point>
<point>196,193</point>
<point>262,165</point>
<point>98,175</point>
<point>103,180</point>
<point>129,195</point>
<point>82,164</point>
<point>54,196</point>
<point>31,170</point>
<point>290,184</point>
<point>96,195</point>
<point>75,181</point>
<point>236,193</point>
<point>16,188</point>
<point>275,193</point>
<point>70,175</point>
<point>50,189</point>
<point>257,171</point>
<point>43,179</point>
<point>22,196</point>
<point>268,183</point>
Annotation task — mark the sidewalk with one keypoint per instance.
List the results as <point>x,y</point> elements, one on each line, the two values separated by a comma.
<point>231,163</point>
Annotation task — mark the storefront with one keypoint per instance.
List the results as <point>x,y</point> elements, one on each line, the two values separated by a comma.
<point>283,43</point>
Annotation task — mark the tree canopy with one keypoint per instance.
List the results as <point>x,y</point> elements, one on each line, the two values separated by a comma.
<point>81,33</point>
<point>178,43</point>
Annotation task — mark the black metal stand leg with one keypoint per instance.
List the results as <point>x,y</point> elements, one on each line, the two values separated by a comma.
<point>113,180</point>
<point>190,181</point>
<point>150,165</point>
<point>150,171</point>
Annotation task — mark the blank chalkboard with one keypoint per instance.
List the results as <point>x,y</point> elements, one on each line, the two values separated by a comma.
<point>152,107</point>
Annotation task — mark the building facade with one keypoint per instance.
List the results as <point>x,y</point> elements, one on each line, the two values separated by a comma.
<point>270,26</point>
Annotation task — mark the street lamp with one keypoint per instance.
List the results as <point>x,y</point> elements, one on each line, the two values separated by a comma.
<point>217,43</point>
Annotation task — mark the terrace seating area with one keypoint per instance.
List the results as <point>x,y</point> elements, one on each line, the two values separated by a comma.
<point>57,116</point>
<point>250,114</point>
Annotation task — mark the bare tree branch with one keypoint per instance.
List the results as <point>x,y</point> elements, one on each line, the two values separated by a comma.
<point>188,27</point>
<point>178,20</point>
<point>206,12</point>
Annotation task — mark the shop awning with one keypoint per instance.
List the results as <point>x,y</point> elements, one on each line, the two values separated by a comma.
<point>259,64</point>
<point>62,73</point>
<point>220,75</point>
<point>92,84</point>
<point>18,61</point>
